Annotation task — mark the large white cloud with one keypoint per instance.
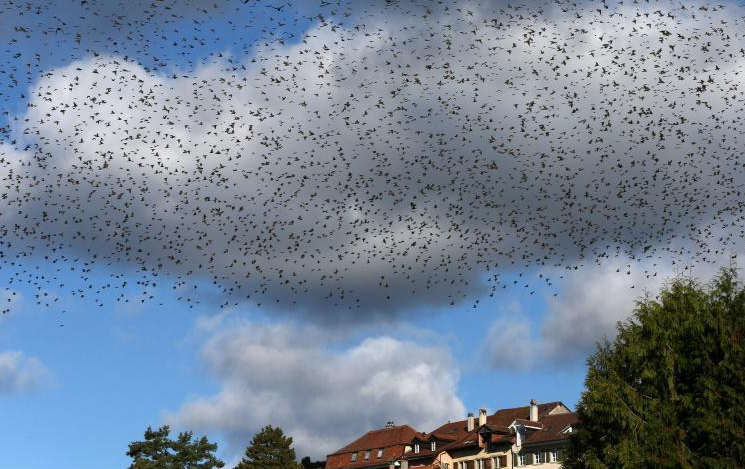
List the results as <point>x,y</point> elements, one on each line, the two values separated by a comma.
<point>591,302</point>
<point>21,373</point>
<point>390,165</point>
<point>317,390</point>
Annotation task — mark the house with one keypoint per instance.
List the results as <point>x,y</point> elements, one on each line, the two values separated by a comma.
<point>375,449</point>
<point>522,436</point>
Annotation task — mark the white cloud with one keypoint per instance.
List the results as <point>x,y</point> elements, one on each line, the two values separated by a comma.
<point>318,391</point>
<point>590,303</point>
<point>21,373</point>
<point>399,159</point>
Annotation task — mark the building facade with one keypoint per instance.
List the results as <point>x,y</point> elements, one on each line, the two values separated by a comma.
<point>534,435</point>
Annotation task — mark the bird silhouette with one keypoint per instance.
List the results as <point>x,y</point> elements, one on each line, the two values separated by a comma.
<point>349,160</point>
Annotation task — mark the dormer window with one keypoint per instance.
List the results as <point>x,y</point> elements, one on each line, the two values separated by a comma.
<point>433,445</point>
<point>416,447</point>
<point>367,455</point>
<point>380,453</point>
<point>354,457</point>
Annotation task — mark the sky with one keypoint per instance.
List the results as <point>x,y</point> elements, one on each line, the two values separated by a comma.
<point>224,215</point>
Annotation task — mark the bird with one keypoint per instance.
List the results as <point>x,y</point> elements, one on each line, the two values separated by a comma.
<point>338,161</point>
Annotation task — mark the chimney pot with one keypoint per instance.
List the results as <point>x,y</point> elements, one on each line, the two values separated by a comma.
<point>470,421</point>
<point>482,417</point>
<point>533,410</point>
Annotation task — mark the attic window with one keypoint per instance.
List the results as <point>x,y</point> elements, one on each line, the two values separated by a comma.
<point>354,457</point>
<point>433,445</point>
<point>367,455</point>
<point>380,453</point>
<point>416,447</point>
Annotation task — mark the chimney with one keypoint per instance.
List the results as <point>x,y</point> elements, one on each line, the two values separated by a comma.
<point>470,421</point>
<point>482,417</point>
<point>533,410</point>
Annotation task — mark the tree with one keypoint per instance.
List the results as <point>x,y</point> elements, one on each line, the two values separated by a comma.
<point>158,451</point>
<point>269,449</point>
<point>307,463</point>
<point>669,391</point>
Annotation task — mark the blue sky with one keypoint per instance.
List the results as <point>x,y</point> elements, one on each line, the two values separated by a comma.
<point>112,370</point>
<point>394,318</point>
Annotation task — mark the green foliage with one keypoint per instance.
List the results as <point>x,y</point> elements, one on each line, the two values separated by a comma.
<point>669,391</point>
<point>158,451</point>
<point>306,463</point>
<point>269,449</point>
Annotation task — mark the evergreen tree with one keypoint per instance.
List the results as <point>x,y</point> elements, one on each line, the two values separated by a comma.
<point>158,451</point>
<point>269,449</point>
<point>669,391</point>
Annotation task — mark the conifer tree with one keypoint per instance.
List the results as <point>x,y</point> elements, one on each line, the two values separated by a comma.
<point>269,449</point>
<point>669,391</point>
<point>158,451</point>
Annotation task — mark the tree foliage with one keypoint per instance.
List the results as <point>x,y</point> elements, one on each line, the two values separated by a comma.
<point>159,451</point>
<point>269,449</point>
<point>307,463</point>
<point>669,391</point>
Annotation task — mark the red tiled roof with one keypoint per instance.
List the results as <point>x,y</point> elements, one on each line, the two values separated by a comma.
<point>529,423</point>
<point>553,426</point>
<point>452,435</point>
<point>381,438</point>
<point>392,440</point>
<point>501,418</point>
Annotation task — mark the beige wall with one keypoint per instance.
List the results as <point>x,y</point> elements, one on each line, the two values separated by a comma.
<point>529,452</point>
<point>483,454</point>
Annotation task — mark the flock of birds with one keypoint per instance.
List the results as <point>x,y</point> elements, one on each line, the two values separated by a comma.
<point>372,157</point>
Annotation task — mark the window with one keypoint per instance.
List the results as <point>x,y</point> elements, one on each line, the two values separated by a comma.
<point>480,464</point>
<point>367,455</point>
<point>501,461</point>
<point>380,453</point>
<point>494,463</point>
<point>554,455</point>
<point>521,459</point>
<point>354,457</point>
<point>433,445</point>
<point>416,447</point>
<point>538,458</point>
<point>445,465</point>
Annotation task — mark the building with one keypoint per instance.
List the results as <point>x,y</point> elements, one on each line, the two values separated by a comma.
<point>375,449</point>
<point>523,436</point>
